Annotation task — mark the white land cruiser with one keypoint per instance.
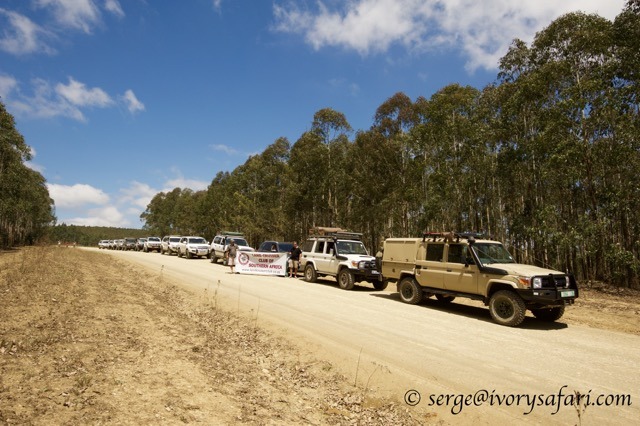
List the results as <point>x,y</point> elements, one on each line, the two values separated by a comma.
<point>221,241</point>
<point>193,246</point>
<point>340,254</point>
<point>170,244</point>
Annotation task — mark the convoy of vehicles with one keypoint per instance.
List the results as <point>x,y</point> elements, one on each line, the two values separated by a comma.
<point>442,265</point>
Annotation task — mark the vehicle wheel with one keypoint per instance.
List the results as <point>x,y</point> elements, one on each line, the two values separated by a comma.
<point>380,285</point>
<point>214,258</point>
<point>310,273</point>
<point>507,308</point>
<point>445,298</point>
<point>549,314</point>
<point>410,291</point>
<point>345,279</point>
<point>189,256</point>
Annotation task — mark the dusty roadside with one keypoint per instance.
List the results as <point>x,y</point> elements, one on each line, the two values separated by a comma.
<point>86,339</point>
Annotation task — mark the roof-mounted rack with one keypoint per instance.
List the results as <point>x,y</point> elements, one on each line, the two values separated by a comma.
<point>450,236</point>
<point>335,233</point>
<point>232,233</point>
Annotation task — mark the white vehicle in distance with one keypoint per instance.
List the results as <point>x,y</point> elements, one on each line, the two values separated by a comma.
<point>193,246</point>
<point>170,244</point>
<point>152,244</point>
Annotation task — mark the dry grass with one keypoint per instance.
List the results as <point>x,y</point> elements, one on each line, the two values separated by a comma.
<point>85,339</point>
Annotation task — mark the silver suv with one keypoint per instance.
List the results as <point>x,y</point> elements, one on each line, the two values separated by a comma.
<point>152,244</point>
<point>170,244</point>
<point>193,246</point>
<point>340,254</point>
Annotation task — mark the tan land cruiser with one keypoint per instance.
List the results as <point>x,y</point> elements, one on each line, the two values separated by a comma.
<point>340,254</point>
<point>449,265</point>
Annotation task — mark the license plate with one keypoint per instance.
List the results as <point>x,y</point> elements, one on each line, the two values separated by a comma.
<point>567,293</point>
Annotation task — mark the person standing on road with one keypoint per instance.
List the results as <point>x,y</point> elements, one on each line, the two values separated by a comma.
<point>230,254</point>
<point>294,260</point>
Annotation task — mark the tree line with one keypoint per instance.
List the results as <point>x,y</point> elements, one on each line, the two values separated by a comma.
<point>545,159</point>
<point>26,210</point>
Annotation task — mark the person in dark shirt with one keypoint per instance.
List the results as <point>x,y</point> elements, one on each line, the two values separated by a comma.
<point>294,260</point>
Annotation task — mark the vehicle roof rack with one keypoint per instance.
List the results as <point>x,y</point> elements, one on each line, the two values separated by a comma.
<point>335,233</point>
<point>238,234</point>
<point>450,236</point>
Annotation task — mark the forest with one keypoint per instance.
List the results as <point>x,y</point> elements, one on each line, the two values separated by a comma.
<point>544,159</point>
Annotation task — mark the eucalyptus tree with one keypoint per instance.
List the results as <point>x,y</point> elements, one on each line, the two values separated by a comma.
<point>566,147</point>
<point>26,209</point>
<point>161,215</point>
<point>449,146</point>
<point>393,164</point>
<point>306,202</point>
<point>333,130</point>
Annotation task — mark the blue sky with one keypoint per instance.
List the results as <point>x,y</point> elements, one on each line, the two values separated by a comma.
<point>122,99</point>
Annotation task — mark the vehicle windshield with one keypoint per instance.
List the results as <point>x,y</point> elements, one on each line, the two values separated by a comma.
<point>153,239</point>
<point>174,239</point>
<point>351,247</point>
<point>285,247</point>
<point>492,253</point>
<point>197,240</point>
<point>239,241</point>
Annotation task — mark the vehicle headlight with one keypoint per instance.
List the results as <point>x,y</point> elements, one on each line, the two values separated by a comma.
<point>354,263</point>
<point>525,281</point>
<point>537,282</point>
<point>362,264</point>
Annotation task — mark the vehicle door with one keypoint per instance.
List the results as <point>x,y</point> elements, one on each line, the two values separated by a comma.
<point>321,256</point>
<point>429,270</point>
<point>460,273</point>
<point>332,261</point>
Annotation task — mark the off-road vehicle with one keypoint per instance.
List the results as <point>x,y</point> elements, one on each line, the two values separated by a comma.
<point>169,244</point>
<point>193,246</point>
<point>221,241</point>
<point>152,244</point>
<point>129,244</point>
<point>450,265</point>
<point>340,254</point>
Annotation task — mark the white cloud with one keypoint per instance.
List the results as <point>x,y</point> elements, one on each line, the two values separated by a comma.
<point>78,94</point>
<point>76,195</point>
<point>7,85</point>
<point>77,14</point>
<point>21,35</point>
<point>64,100</point>
<point>133,104</point>
<point>114,7</point>
<point>137,194</point>
<point>224,148</point>
<point>181,182</point>
<point>103,216</point>
<point>483,30</point>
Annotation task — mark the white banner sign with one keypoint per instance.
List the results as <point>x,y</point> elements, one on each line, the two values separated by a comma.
<point>248,262</point>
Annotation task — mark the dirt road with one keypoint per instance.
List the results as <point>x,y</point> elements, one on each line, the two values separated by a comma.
<point>451,356</point>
